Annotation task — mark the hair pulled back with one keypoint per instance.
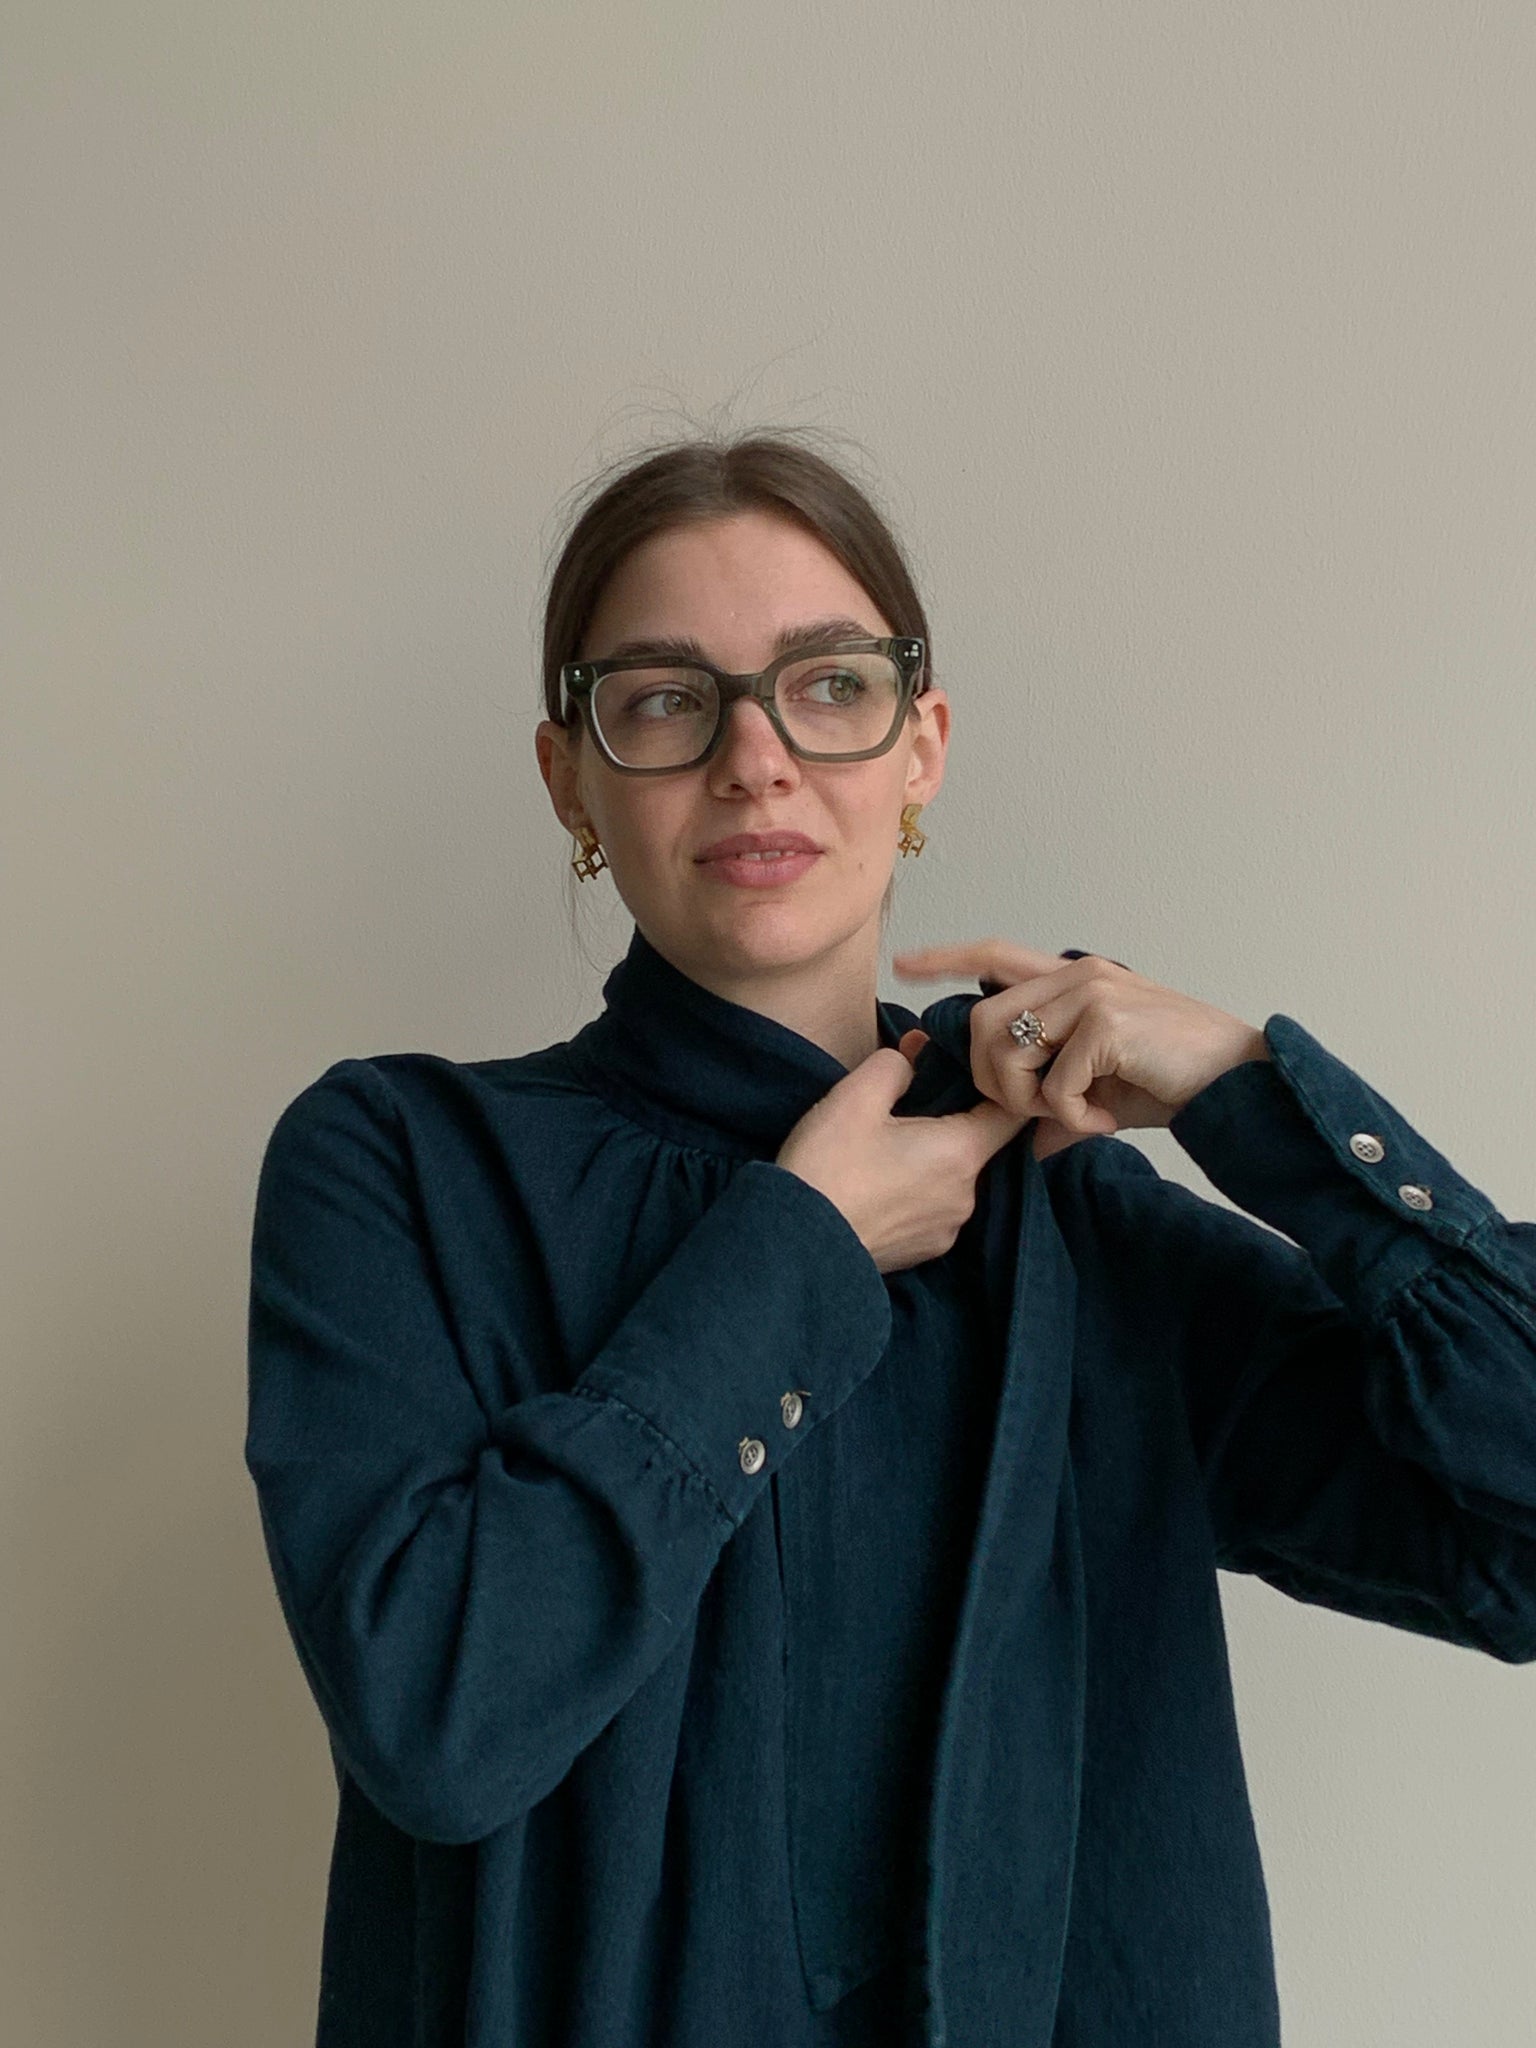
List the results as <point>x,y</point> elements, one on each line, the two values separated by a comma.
<point>701,477</point>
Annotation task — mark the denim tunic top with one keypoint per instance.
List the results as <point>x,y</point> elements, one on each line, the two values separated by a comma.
<point>721,1642</point>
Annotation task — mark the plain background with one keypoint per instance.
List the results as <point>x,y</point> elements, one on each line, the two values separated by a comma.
<point>1190,349</point>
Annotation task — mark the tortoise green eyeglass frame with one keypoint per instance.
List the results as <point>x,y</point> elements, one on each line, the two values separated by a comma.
<point>580,678</point>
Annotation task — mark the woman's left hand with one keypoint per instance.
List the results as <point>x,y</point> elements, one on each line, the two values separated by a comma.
<point>1124,1053</point>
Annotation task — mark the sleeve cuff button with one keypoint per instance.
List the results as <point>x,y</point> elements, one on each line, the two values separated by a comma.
<point>1365,1146</point>
<point>750,1451</point>
<point>792,1408</point>
<point>1416,1198</point>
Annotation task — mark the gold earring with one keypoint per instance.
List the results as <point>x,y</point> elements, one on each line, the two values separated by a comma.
<point>589,858</point>
<point>912,840</point>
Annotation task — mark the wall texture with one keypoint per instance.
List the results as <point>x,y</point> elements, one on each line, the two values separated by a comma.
<point>1189,346</point>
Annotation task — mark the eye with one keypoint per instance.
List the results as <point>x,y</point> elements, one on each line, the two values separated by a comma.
<point>842,682</point>
<point>666,702</point>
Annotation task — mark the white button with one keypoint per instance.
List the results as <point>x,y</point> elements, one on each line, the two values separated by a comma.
<point>1364,1146</point>
<point>793,1408</point>
<point>752,1453</point>
<point>1417,1198</point>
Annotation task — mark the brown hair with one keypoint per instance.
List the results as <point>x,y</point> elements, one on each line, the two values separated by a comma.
<point>709,476</point>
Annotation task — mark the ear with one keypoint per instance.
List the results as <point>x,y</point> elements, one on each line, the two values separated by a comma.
<point>930,744</point>
<point>558,766</point>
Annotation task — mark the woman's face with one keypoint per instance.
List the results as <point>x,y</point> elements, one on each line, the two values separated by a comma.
<point>734,584</point>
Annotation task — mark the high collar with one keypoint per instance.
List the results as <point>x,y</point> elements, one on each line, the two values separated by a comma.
<point>703,1070</point>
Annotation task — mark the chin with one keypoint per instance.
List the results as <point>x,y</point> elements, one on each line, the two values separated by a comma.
<point>757,933</point>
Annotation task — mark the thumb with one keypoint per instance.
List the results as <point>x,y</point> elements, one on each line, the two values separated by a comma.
<point>885,1075</point>
<point>990,1125</point>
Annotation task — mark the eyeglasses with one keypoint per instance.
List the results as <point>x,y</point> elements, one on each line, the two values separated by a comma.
<point>842,701</point>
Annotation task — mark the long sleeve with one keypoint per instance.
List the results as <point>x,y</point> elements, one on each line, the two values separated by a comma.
<point>473,1596</point>
<point>1361,1390</point>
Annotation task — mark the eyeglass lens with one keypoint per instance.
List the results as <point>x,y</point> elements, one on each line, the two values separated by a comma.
<point>664,716</point>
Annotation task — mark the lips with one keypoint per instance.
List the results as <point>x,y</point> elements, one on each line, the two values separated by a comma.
<point>769,868</point>
<point>754,844</point>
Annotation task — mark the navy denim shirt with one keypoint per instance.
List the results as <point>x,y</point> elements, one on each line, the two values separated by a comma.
<point>722,1643</point>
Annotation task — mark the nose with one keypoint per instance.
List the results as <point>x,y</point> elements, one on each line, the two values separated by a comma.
<point>750,749</point>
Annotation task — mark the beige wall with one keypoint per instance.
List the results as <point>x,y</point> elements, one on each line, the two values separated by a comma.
<point>1192,346</point>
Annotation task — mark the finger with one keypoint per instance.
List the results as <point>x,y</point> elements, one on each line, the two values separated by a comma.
<point>1056,974</point>
<point>1050,1137</point>
<point>1002,959</point>
<point>1007,1071</point>
<point>987,1126</point>
<point>1085,1055</point>
<point>886,1074</point>
<point>1061,994</point>
<point>912,1042</point>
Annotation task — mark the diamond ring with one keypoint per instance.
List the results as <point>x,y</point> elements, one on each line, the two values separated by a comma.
<point>1028,1031</point>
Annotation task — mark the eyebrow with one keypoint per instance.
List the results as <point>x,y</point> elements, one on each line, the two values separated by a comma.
<point>683,647</point>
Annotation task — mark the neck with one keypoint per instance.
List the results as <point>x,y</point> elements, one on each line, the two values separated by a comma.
<point>828,998</point>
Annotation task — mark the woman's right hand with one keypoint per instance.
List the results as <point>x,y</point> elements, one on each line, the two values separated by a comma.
<point>905,1184</point>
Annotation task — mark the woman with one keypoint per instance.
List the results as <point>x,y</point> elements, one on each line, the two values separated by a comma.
<point>746,1483</point>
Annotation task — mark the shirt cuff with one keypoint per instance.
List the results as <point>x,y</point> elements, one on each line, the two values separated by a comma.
<point>762,1322</point>
<point>1306,1145</point>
